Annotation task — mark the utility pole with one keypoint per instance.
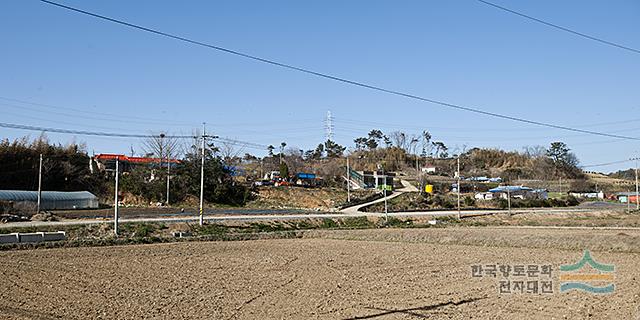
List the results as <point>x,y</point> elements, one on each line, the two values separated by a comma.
<point>384,194</point>
<point>201,220</point>
<point>39,185</point>
<point>509,199</point>
<point>560,185</point>
<point>115,202</point>
<point>168,177</point>
<point>386,209</point>
<point>637,200</point>
<point>162,135</point>
<point>459,187</point>
<point>348,180</point>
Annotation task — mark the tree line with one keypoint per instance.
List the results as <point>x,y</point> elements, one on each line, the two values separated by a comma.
<point>67,168</point>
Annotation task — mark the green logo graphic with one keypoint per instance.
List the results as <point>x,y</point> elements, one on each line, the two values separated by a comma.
<point>580,281</point>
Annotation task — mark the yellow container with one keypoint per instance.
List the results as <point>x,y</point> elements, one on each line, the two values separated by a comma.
<point>428,188</point>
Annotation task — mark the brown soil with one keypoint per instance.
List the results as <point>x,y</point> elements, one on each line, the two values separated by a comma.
<point>125,212</point>
<point>384,274</point>
<point>299,198</point>
<point>601,218</point>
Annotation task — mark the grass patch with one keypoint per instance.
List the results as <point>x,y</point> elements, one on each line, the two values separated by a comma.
<point>356,223</point>
<point>210,229</point>
<point>328,224</point>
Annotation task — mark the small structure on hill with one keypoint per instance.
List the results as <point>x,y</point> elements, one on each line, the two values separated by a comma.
<point>484,179</point>
<point>624,197</point>
<point>588,195</point>
<point>373,179</point>
<point>107,162</point>
<point>428,169</point>
<point>518,192</point>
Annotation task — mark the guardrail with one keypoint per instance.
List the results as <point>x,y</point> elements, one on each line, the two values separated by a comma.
<point>32,237</point>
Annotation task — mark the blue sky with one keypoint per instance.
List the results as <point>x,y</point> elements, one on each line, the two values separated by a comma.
<point>460,51</point>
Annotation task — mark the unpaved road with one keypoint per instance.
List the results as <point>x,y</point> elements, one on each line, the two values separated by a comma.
<point>383,274</point>
<point>289,216</point>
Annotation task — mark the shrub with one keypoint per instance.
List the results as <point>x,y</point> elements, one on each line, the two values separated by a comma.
<point>357,222</point>
<point>328,223</point>
<point>469,201</point>
<point>572,201</point>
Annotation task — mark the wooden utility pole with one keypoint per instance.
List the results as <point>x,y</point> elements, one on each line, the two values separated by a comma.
<point>115,202</point>
<point>458,188</point>
<point>168,177</point>
<point>39,185</point>
<point>637,200</point>
<point>201,217</point>
<point>386,208</point>
<point>509,199</point>
<point>348,180</point>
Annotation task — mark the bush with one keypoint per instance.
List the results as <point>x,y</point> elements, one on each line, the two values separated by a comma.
<point>572,201</point>
<point>442,202</point>
<point>469,201</point>
<point>328,223</point>
<point>211,229</point>
<point>357,222</point>
<point>142,230</point>
<point>500,203</point>
<point>396,222</point>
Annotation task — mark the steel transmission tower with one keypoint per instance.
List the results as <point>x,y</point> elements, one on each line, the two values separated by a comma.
<point>328,126</point>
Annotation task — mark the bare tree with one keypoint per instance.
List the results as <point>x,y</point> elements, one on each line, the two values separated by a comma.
<point>399,139</point>
<point>427,147</point>
<point>535,151</point>
<point>441,149</point>
<point>413,144</point>
<point>162,146</point>
<point>230,152</point>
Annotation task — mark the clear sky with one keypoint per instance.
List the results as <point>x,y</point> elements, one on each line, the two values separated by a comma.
<point>459,51</point>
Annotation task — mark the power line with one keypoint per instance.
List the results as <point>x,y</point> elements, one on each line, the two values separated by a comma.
<point>22,116</point>
<point>243,143</point>
<point>116,118</point>
<point>606,164</point>
<point>124,135</point>
<point>336,78</point>
<point>580,34</point>
<point>85,133</point>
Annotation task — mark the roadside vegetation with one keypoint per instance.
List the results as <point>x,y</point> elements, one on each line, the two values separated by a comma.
<point>145,233</point>
<point>427,202</point>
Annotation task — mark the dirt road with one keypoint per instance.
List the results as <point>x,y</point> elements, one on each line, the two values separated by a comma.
<point>287,215</point>
<point>399,275</point>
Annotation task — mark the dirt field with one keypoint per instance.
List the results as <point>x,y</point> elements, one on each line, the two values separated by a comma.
<point>362,274</point>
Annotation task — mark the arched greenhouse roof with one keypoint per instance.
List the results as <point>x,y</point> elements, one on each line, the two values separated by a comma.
<point>22,195</point>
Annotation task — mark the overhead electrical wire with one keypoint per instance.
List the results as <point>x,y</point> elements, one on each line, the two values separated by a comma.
<point>335,78</point>
<point>580,34</point>
<point>85,133</point>
<point>125,135</point>
<point>116,118</point>
<point>22,116</point>
<point>606,164</point>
